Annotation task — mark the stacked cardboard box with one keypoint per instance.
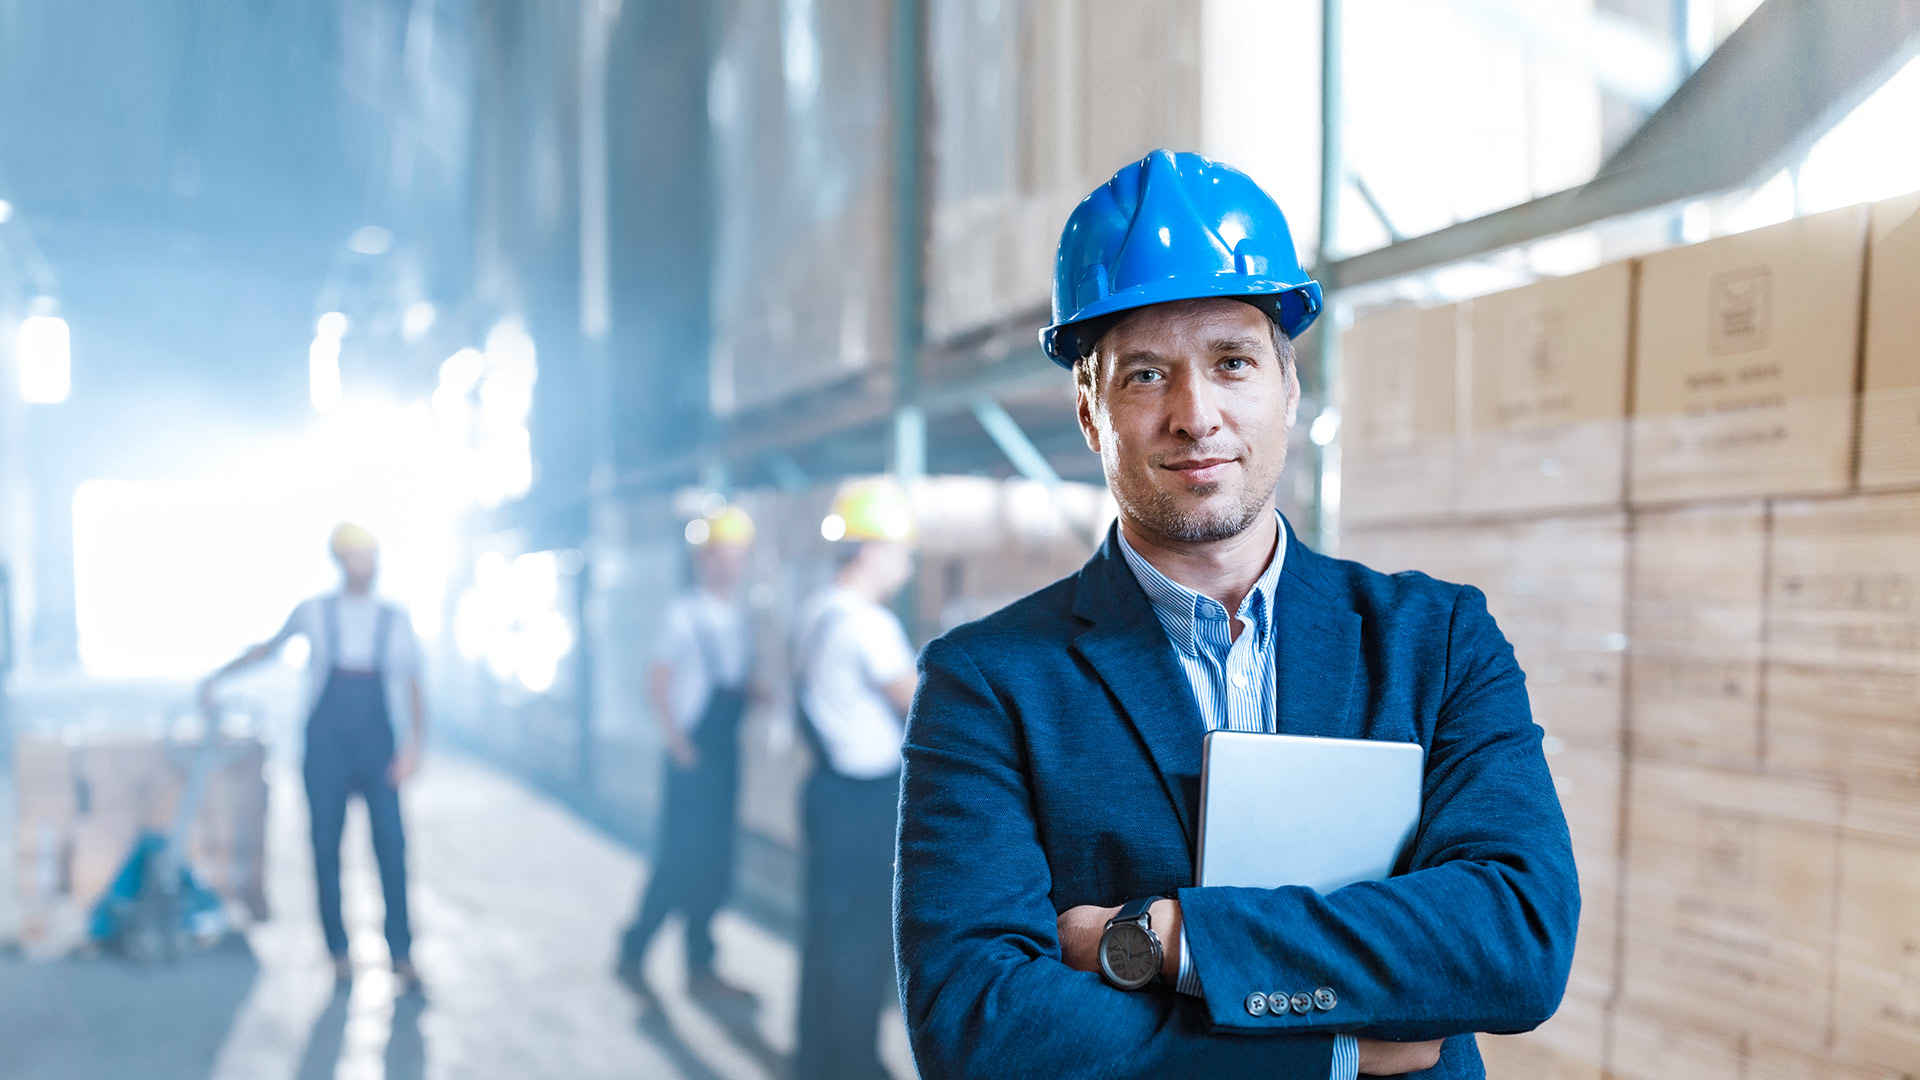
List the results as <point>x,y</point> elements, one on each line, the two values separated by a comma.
<point>1398,451</point>
<point>1696,596</point>
<point>1746,352</point>
<point>1026,118</point>
<point>1843,639</point>
<point>1730,903</point>
<point>1890,404</point>
<point>1557,588</point>
<point>1877,956</point>
<point>1770,832</point>
<point>82,805</point>
<point>1546,375</point>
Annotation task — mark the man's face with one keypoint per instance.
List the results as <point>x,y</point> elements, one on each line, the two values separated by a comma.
<point>889,563</point>
<point>1189,411</point>
<point>721,567</point>
<point>359,566</point>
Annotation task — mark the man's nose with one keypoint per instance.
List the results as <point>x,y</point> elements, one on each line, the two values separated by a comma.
<point>1195,414</point>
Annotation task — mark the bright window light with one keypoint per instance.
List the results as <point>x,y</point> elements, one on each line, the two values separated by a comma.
<point>1325,427</point>
<point>174,579</point>
<point>1870,155</point>
<point>332,325</point>
<point>371,240</point>
<point>417,321</point>
<point>46,360</point>
<point>323,373</point>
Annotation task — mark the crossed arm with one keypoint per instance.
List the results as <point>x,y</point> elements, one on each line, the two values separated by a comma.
<point>1478,937</point>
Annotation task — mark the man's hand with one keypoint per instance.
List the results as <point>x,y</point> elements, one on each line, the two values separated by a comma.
<point>1080,929</point>
<point>682,751</point>
<point>404,764</point>
<point>1379,1058</point>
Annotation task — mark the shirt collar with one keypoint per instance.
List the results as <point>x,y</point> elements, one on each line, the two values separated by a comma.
<point>1180,609</point>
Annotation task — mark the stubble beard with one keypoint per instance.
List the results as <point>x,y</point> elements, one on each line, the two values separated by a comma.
<point>1160,511</point>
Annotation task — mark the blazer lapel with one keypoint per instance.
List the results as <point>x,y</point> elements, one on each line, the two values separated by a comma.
<point>1128,649</point>
<point>1316,650</point>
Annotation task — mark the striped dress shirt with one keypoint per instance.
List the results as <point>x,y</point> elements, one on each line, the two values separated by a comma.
<point>1233,684</point>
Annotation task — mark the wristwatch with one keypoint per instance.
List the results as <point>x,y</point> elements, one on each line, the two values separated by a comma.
<point>1130,952</point>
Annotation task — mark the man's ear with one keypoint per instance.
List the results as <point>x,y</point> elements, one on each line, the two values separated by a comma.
<point>1293,390</point>
<point>1083,411</point>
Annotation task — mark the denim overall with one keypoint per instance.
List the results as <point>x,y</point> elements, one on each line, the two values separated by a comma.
<point>349,749</point>
<point>846,947</point>
<point>693,852</point>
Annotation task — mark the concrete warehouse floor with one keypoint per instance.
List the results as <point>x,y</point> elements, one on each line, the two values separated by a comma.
<point>516,907</point>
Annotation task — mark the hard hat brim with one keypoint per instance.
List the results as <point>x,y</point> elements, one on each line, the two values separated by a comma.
<point>1293,306</point>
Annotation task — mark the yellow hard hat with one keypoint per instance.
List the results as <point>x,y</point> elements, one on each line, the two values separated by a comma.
<point>350,537</point>
<point>876,508</point>
<point>731,527</point>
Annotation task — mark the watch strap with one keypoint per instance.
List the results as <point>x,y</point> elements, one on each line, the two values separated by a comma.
<point>1133,909</point>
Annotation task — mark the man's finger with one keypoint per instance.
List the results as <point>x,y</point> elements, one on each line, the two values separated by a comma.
<point>1380,1058</point>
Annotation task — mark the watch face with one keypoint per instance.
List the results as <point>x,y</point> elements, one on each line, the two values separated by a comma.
<point>1128,955</point>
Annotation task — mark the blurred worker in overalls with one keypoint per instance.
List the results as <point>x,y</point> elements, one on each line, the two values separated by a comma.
<point>854,679</point>
<point>360,649</point>
<point>698,687</point>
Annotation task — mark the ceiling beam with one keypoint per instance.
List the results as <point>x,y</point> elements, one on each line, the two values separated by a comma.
<point>1792,70</point>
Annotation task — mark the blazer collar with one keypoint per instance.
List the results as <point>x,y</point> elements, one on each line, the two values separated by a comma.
<point>1317,650</point>
<point>1316,646</point>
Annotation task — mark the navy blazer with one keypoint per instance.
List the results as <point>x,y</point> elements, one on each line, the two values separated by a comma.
<point>1053,759</point>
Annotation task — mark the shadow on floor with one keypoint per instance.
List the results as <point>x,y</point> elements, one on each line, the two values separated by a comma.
<point>96,1017</point>
<point>657,1028</point>
<point>741,1021</point>
<point>406,1053</point>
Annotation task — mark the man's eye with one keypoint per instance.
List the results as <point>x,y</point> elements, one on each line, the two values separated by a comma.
<point>1236,363</point>
<point>1148,375</point>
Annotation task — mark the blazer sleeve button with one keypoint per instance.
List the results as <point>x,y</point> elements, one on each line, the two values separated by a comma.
<point>1277,1003</point>
<point>1324,999</point>
<point>1302,1003</point>
<point>1257,1003</point>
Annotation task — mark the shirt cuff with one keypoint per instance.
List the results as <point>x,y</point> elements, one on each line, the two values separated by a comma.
<point>1346,1058</point>
<point>1189,980</point>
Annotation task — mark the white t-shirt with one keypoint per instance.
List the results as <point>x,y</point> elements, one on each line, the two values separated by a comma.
<point>703,632</point>
<point>842,665</point>
<point>358,627</point>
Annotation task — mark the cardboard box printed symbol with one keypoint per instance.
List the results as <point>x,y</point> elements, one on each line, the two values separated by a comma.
<point>1727,845</point>
<point>1742,309</point>
<point>1541,356</point>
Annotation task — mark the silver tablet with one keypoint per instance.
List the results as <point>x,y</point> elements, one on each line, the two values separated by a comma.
<point>1300,810</point>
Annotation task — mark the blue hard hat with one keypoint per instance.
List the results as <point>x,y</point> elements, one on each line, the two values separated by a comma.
<point>1173,227</point>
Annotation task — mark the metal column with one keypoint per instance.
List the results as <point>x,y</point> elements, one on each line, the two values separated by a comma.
<point>1325,526</point>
